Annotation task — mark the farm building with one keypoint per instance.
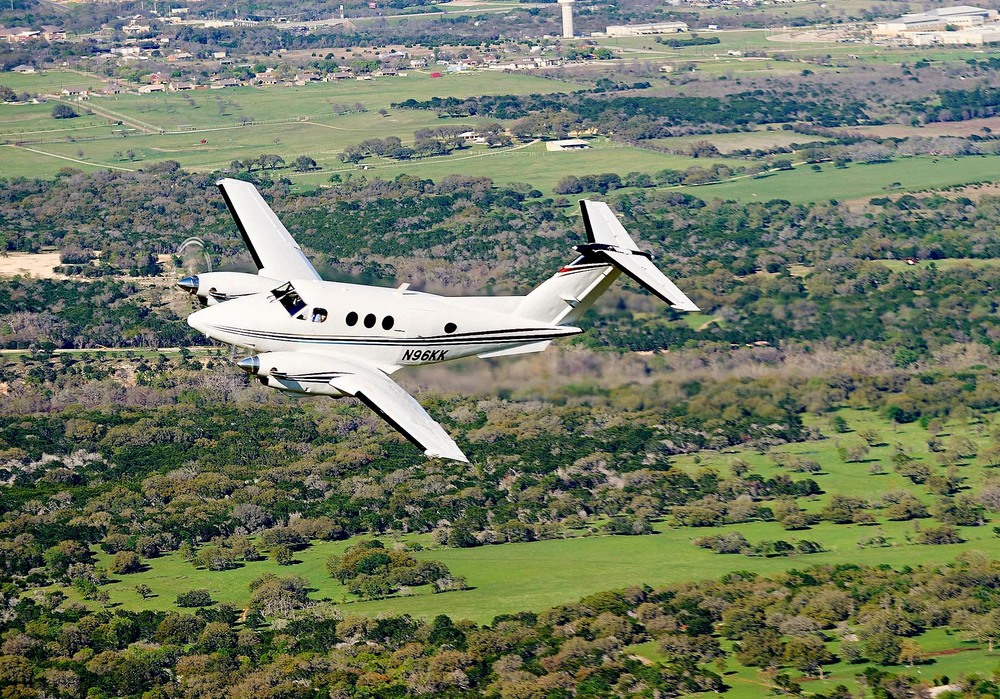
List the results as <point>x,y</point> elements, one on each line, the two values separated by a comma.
<point>567,144</point>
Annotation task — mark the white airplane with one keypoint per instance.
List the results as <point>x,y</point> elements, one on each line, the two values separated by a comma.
<point>314,337</point>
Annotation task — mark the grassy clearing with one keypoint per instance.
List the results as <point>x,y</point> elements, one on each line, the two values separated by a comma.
<point>533,164</point>
<point>290,121</point>
<point>516,577</point>
<point>804,185</point>
<point>900,265</point>
<point>535,576</point>
<point>748,140</point>
<point>49,81</point>
<point>854,479</point>
<point>204,109</point>
<point>948,656</point>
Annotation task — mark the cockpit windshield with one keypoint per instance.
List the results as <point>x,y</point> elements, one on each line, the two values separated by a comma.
<point>289,298</point>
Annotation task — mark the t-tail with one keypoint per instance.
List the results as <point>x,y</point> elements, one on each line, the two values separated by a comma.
<point>609,251</point>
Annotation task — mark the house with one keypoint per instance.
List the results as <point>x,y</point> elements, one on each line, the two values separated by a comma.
<point>132,28</point>
<point>307,78</point>
<point>155,87</point>
<point>24,69</point>
<point>19,35</point>
<point>76,92</point>
<point>53,33</point>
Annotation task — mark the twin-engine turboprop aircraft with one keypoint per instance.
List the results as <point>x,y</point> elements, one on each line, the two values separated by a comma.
<point>315,337</point>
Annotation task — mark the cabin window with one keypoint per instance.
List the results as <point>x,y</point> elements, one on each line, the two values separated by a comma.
<point>370,320</point>
<point>450,328</point>
<point>319,315</point>
<point>388,322</point>
<point>289,298</point>
<point>352,319</point>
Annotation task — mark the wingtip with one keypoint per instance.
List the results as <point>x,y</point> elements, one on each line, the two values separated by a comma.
<point>455,454</point>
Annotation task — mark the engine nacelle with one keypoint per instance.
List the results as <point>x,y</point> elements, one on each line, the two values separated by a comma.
<point>215,287</point>
<point>295,372</point>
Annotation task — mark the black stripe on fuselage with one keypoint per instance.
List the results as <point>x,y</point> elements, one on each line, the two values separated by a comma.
<point>464,339</point>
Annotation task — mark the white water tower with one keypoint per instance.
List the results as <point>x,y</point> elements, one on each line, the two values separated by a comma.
<point>567,18</point>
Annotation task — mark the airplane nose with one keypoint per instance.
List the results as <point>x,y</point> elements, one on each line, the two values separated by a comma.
<point>199,320</point>
<point>189,284</point>
<point>250,365</point>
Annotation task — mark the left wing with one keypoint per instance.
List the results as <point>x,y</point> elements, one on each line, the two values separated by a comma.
<point>316,374</point>
<point>271,246</point>
<point>399,409</point>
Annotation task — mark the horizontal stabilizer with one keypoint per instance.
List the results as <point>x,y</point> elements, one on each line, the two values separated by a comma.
<point>523,349</point>
<point>642,269</point>
<point>611,243</point>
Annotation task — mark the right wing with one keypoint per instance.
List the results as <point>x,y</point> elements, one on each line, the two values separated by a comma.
<point>272,247</point>
<point>397,407</point>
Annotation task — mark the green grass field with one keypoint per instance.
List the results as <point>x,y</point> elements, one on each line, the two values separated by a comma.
<point>290,121</point>
<point>947,656</point>
<point>203,131</point>
<point>743,140</point>
<point>539,575</point>
<point>803,185</point>
<point>536,576</point>
<point>533,164</point>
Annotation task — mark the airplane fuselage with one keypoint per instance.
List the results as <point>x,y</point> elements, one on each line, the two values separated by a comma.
<point>377,326</point>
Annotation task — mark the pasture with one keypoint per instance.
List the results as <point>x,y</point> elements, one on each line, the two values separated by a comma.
<point>803,184</point>
<point>761,138</point>
<point>205,130</point>
<point>534,576</point>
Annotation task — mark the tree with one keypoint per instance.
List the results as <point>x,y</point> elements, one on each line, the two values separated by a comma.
<point>980,627</point>
<point>282,555</point>
<point>882,647</point>
<point>63,111</point>
<point>761,648</point>
<point>304,163</point>
<point>808,654</point>
<point>125,562</point>
<point>144,590</point>
<point>194,598</point>
<point>910,652</point>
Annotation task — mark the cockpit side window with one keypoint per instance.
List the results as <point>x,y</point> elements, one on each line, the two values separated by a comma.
<point>289,298</point>
<point>319,315</point>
